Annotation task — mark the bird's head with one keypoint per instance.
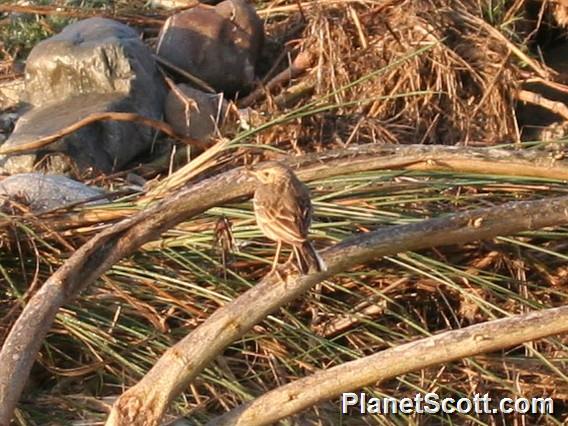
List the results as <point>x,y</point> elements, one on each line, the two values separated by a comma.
<point>271,172</point>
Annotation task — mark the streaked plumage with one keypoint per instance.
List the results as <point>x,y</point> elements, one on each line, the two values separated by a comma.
<point>283,211</point>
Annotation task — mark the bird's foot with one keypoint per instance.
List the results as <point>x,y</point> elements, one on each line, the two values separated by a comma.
<point>278,274</point>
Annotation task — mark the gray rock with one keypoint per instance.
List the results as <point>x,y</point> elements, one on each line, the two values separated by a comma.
<point>218,44</point>
<point>11,93</point>
<point>194,113</point>
<point>17,163</point>
<point>46,192</point>
<point>94,65</point>
<point>105,145</point>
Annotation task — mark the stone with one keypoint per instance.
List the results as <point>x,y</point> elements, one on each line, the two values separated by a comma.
<point>46,192</point>
<point>218,44</point>
<point>7,120</point>
<point>194,113</point>
<point>11,93</point>
<point>95,65</point>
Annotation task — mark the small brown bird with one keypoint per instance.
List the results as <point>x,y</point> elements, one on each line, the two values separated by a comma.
<point>283,211</point>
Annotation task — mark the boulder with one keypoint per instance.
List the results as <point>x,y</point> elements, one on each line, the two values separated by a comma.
<point>219,44</point>
<point>95,65</point>
<point>46,192</point>
<point>194,113</point>
<point>11,93</point>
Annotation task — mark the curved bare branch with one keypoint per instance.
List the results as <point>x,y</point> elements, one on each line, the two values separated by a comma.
<point>448,346</point>
<point>145,403</point>
<point>93,118</point>
<point>123,238</point>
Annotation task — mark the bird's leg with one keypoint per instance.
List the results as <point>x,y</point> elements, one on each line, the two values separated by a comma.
<point>275,262</point>
<point>276,256</point>
<point>294,254</point>
<point>314,308</point>
<point>302,262</point>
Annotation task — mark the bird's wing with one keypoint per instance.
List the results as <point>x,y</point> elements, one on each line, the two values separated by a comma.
<point>286,217</point>
<point>304,207</point>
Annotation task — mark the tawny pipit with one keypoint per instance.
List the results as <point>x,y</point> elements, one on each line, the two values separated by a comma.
<point>283,212</point>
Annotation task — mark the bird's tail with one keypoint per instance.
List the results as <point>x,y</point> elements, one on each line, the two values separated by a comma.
<point>306,255</point>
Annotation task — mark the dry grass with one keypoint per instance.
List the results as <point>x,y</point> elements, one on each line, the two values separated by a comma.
<point>459,91</point>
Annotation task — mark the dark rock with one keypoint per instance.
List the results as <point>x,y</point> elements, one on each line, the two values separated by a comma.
<point>218,44</point>
<point>7,121</point>
<point>94,65</point>
<point>194,113</point>
<point>46,192</point>
<point>105,145</point>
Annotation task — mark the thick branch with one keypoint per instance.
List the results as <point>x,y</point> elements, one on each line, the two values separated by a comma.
<point>555,107</point>
<point>122,239</point>
<point>449,346</point>
<point>145,403</point>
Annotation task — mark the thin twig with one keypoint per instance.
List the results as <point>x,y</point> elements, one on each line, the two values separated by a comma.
<point>357,22</point>
<point>195,80</point>
<point>561,87</point>
<point>93,118</point>
<point>346,321</point>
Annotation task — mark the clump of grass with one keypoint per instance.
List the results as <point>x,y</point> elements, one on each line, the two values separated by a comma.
<point>467,78</point>
<point>22,33</point>
<point>116,331</point>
